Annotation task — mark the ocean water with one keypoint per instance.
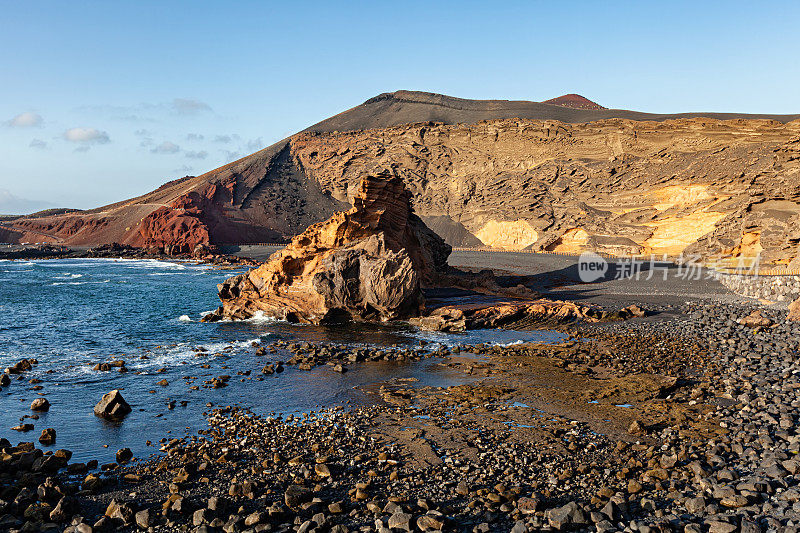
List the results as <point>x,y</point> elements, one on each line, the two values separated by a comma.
<point>72,314</point>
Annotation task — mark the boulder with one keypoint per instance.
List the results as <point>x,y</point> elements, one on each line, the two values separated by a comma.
<point>124,455</point>
<point>40,404</point>
<point>755,320</point>
<point>112,406</point>
<point>565,517</point>
<point>48,436</point>
<point>794,311</point>
<point>368,263</point>
<point>120,511</point>
<point>296,495</point>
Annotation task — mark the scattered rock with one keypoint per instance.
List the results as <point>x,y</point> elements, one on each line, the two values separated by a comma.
<point>112,406</point>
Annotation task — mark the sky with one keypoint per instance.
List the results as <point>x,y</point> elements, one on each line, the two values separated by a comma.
<point>102,101</point>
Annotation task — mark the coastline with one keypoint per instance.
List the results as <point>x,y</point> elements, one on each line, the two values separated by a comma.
<point>522,447</point>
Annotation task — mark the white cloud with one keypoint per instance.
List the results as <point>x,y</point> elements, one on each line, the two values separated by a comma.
<point>230,156</point>
<point>26,120</point>
<point>184,169</point>
<point>167,147</point>
<point>189,106</point>
<point>255,144</point>
<point>195,137</point>
<point>38,144</point>
<point>86,136</point>
<point>202,154</point>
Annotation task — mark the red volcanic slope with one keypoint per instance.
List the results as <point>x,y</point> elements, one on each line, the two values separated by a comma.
<point>574,101</point>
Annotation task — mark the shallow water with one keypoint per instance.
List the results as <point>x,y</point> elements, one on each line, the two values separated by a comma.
<point>72,314</point>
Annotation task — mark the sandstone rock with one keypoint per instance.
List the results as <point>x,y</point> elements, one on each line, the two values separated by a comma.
<point>794,311</point>
<point>366,263</point>
<point>755,320</point>
<point>112,406</point>
<point>454,318</point>
<point>322,470</point>
<point>20,366</point>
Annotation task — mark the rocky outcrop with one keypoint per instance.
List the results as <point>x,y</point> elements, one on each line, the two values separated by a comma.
<point>517,315</point>
<point>176,229</point>
<point>368,263</point>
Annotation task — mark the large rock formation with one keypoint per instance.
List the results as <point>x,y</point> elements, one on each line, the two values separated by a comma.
<point>366,263</point>
<point>560,176</point>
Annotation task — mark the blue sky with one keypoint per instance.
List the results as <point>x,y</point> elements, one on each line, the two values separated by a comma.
<point>101,101</point>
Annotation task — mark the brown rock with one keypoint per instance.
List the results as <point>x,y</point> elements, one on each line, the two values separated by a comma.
<point>112,406</point>
<point>48,436</point>
<point>636,428</point>
<point>496,315</point>
<point>794,311</point>
<point>40,404</point>
<point>366,263</point>
<point>756,320</point>
<point>296,495</point>
<point>121,511</point>
<point>124,455</point>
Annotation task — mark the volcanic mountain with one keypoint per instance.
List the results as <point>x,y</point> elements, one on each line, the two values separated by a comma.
<point>499,173</point>
<point>575,101</point>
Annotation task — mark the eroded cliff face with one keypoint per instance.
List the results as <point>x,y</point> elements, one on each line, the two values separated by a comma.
<point>368,263</point>
<point>620,186</point>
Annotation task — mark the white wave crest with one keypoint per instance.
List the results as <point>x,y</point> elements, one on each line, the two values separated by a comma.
<point>56,283</point>
<point>186,351</point>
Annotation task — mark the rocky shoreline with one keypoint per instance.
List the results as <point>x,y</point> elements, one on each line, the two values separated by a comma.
<point>203,255</point>
<point>679,425</point>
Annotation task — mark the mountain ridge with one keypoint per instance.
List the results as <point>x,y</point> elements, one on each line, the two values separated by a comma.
<point>278,191</point>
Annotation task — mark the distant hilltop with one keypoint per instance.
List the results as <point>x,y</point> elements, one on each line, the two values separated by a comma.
<point>574,101</point>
